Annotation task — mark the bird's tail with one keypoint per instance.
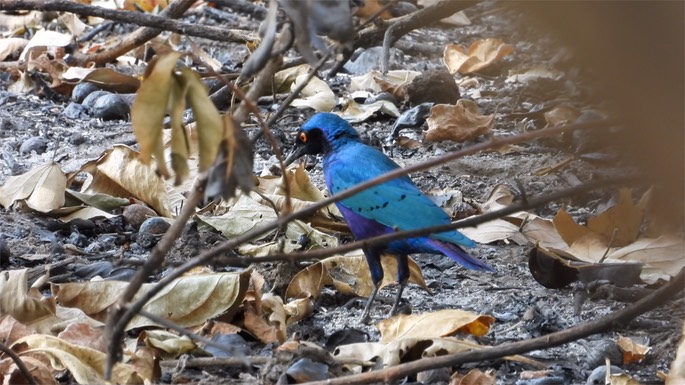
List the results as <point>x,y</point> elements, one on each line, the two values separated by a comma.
<point>458,254</point>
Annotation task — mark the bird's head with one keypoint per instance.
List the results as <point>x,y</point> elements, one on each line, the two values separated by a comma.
<point>320,134</point>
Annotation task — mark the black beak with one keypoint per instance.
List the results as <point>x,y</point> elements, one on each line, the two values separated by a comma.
<point>295,154</point>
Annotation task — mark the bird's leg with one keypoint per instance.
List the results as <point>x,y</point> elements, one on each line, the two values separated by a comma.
<point>373,259</point>
<point>402,278</point>
<point>365,315</point>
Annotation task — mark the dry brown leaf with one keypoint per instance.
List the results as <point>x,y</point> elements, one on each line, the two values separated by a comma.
<point>664,253</point>
<point>357,113</point>
<point>23,304</point>
<point>530,74</point>
<point>12,330</point>
<point>474,377</point>
<point>83,334</point>
<point>40,371</point>
<point>458,123</point>
<point>188,301</point>
<point>561,114</point>
<point>150,107</point>
<point>119,172</point>
<point>41,41</point>
<point>481,54</point>
<point>349,274</point>
<point>567,228</point>
<point>210,125</point>
<point>495,230</point>
<point>633,352</point>
<point>316,94</point>
<point>170,345</point>
<point>620,223</point>
<point>10,46</point>
<point>441,323</point>
<point>42,188</point>
<point>393,82</point>
<point>401,350</point>
<point>85,364</point>
<point>266,319</point>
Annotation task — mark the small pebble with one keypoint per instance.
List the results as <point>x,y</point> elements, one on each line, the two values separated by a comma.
<point>36,143</point>
<point>111,107</point>
<point>82,90</point>
<point>76,111</point>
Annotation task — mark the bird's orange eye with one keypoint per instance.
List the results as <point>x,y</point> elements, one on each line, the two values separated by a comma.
<point>303,137</point>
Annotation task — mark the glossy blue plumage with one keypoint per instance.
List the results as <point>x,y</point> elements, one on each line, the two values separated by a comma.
<point>395,205</point>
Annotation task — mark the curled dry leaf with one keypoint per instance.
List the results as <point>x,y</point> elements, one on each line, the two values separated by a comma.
<point>316,94</point>
<point>356,113</point>
<point>11,45</point>
<point>41,371</point>
<point>188,301</point>
<point>268,322</point>
<point>120,172</point>
<point>481,54</point>
<point>633,352</point>
<point>394,82</point>
<point>349,274</point>
<point>170,345</point>
<point>401,350</point>
<point>474,377</point>
<point>86,365</point>
<point>530,74</point>
<point>458,123</point>
<point>42,188</point>
<point>441,323</point>
<point>150,107</point>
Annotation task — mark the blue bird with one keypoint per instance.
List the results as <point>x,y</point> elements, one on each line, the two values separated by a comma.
<point>396,205</point>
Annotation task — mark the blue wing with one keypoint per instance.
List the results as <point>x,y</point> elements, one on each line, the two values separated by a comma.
<point>398,203</point>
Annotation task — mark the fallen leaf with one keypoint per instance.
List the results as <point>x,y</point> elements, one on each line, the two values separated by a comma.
<point>393,82</point>
<point>620,223</point>
<point>169,344</point>
<point>633,352</point>
<point>458,123</point>
<point>150,107</point>
<point>560,115</point>
<point>42,188</point>
<point>119,172</point>
<point>188,301</point>
<point>481,54</point>
<point>530,74</point>
<point>85,364</point>
<point>11,45</point>
<point>356,113</point>
<point>441,323</point>
<point>349,274</point>
<point>474,377</point>
<point>316,94</point>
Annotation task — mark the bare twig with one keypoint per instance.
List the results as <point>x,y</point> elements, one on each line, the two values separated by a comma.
<point>612,321</point>
<point>161,22</point>
<point>116,323</point>
<point>20,364</point>
<point>206,362</point>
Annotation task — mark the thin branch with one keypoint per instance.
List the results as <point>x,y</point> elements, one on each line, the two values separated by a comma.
<point>20,364</point>
<point>116,323</point>
<point>129,17</point>
<point>612,321</point>
<point>469,222</point>
<point>205,362</point>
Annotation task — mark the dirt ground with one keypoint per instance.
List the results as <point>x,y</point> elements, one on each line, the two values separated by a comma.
<point>523,308</point>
